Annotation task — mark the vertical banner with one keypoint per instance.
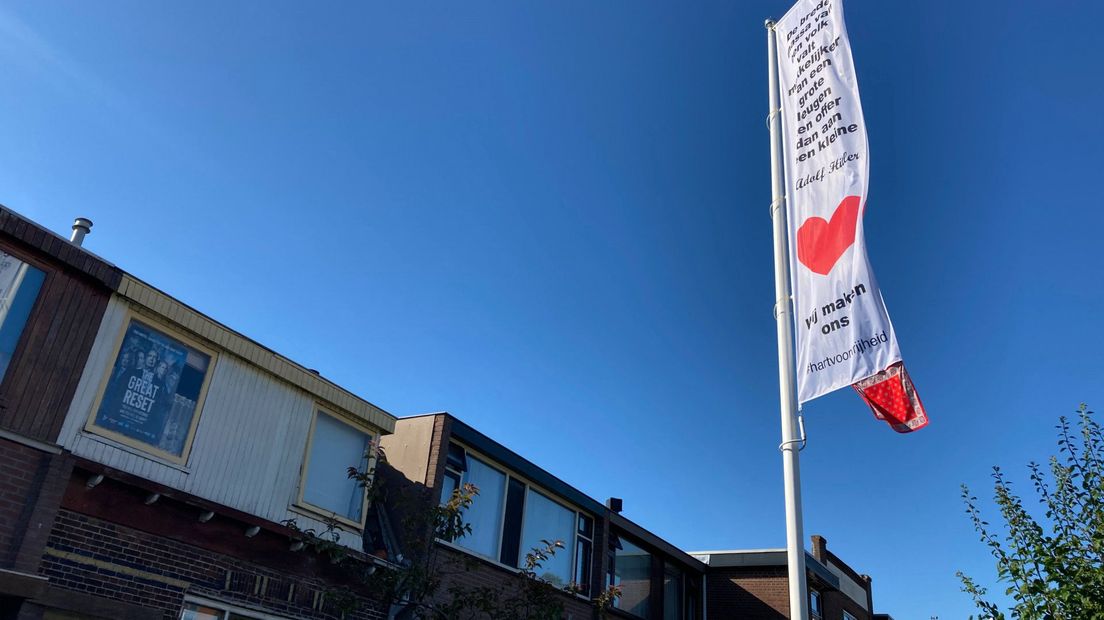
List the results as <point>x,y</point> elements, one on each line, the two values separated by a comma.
<point>843,332</point>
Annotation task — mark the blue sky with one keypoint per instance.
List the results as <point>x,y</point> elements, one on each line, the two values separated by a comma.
<point>550,219</point>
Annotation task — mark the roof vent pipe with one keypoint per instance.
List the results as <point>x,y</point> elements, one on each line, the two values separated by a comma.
<point>81,227</point>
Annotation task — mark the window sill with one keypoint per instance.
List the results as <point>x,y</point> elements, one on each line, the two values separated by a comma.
<point>311,512</point>
<point>85,434</point>
<point>505,567</point>
<point>620,613</point>
<point>478,556</point>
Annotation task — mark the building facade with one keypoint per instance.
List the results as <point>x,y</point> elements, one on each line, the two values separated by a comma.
<point>52,299</point>
<point>156,464</point>
<point>159,464</point>
<point>754,584</point>
<point>519,505</point>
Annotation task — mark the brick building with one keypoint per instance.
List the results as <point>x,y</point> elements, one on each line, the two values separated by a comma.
<point>157,464</point>
<point>519,504</point>
<point>754,584</point>
<point>52,299</point>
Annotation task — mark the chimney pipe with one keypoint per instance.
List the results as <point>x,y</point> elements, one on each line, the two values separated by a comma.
<point>81,227</point>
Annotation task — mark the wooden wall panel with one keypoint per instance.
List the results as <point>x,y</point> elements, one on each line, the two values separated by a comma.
<point>47,364</point>
<point>248,446</point>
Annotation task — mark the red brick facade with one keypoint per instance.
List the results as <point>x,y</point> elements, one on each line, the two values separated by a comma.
<point>431,447</point>
<point>98,557</point>
<point>759,593</point>
<point>751,585</point>
<point>82,547</point>
<point>463,570</point>
<point>88,541</point>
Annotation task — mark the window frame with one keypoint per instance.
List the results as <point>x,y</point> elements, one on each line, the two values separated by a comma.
<point>588,571</point>
<point>620,536</point>
<point>816,611</point>
<point>373,436</point>
<point>228,608</point>
<point>49,273</point>
<point>571,547</point>
<point>131,316</point>
<point>677,571</point>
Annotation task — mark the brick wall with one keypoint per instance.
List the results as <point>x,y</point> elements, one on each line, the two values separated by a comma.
<point>462,570</point>
<point>836,602</point>
<point>761,593</point>
<point>18,470</point>
<point>32,483</point>
<point>93,556</point>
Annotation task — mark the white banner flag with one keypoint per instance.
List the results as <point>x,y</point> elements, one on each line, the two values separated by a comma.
<point>843,330</point>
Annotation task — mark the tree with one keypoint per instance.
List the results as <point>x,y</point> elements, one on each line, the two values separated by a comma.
<point>1054,566</point>
<point>412,585</point>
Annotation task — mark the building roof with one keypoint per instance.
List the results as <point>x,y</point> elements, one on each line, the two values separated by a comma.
<point>160,303</point>
<point>36,236</point>
<point>481,442</point>
<point>748,558</point>
<point>512,460</point>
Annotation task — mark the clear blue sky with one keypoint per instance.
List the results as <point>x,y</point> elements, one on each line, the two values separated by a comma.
<point>550,219</point>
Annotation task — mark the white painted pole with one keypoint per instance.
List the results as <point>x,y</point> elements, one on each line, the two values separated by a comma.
<point>791,471</point>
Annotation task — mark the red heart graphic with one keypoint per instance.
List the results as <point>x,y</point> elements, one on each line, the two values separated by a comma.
<point>820,244</point>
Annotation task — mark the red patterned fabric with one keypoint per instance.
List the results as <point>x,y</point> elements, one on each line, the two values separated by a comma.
<point>893,398</point>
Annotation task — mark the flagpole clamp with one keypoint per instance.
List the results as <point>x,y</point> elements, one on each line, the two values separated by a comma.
<point>770,117</point>
<point>776,204</point>
<point>784,303</point>
<point>801,440</point>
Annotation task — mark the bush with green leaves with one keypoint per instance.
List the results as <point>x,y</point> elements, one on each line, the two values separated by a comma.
<point>1053,564</point>
<point>416,587</point>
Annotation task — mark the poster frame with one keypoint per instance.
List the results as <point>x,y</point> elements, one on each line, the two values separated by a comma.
<point>130,317</point>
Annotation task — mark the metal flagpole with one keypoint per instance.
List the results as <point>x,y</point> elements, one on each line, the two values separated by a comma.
<point>787,388</point>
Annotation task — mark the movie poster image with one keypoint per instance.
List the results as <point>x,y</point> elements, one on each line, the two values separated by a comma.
<point>153,389</point>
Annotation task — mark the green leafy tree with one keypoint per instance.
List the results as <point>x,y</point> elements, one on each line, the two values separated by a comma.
<point>416,583</point>
<point>1053,565</point>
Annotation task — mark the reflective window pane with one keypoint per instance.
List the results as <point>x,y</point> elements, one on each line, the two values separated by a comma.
<point>814,603</point>
<point>19,286</point>
<point>547,520</point>
<point>335,448</point>
<point>485,513</point>
<point>449,485</point>
<point>633,572</point>
<point>672,593</point>
<point>582,565</point>
<point>193,611</point>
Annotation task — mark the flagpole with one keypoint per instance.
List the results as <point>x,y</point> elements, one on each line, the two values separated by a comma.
<point>795,537</point>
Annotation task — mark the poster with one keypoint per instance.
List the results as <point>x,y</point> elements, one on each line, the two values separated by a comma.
<point>153,389</point>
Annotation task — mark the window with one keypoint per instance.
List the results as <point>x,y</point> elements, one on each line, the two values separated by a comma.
<point>153,393</point>
<point>19,286</point>
<point>584,542</point>
<point>631,568</point>
<point>692,595</point>
<point>334,447</point>
<point>509,518</point>
<point>672,593</point>
<point>847,616</point>
<point>814,604</point>
<point>455,465</point>
<point>210,610</point>
<point>485,513</point>
<point>547,520</point>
